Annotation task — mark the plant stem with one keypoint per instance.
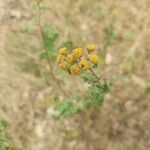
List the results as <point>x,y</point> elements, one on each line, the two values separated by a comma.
<point>57,81</point>
<point>93,73</point>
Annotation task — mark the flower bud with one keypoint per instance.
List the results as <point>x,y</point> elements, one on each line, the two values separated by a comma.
<point>78,52</point>
<point>90,47</point>
<point>63,51</point>
<point>84,65</point>
<point>75,70</point>
<point>94,58</point>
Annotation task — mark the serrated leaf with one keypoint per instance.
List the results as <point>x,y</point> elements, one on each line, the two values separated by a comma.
<point>65,109</point>
<point>49,38</point>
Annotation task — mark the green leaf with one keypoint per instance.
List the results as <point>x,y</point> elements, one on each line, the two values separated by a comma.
<point>3,123</point>
<point>66,109</point>
<point>49,36</point>
<point>98,89</point>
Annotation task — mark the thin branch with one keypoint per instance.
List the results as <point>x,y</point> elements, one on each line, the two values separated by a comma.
<point>93,73</point>
<point>48,57</point>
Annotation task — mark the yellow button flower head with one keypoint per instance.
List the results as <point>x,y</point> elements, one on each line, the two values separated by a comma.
<point>75,70</point>
<point>60,58</point>
<point>70,58</point>
<point>78,52</point>
<point>94,58</point>
<point>63,51</point>
<point>84,65</point>
<point>62,66</point>
<point>90,47</point>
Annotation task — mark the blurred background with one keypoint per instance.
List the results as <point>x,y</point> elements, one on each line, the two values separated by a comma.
<point>121,31</point>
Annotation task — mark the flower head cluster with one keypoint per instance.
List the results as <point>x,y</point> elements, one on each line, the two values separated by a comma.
<point>77,60</point>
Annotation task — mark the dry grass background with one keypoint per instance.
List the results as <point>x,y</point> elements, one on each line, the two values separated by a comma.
<point>25,98</point>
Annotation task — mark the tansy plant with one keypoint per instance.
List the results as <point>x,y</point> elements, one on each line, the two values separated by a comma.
<point>75,61</point>
<point>82,63</point>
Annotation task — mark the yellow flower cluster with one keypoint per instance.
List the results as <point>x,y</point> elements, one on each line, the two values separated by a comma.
<point>77,60</point>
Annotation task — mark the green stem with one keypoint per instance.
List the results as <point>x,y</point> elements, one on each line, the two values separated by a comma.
<point>48,58</point>
<point>93,73</point>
